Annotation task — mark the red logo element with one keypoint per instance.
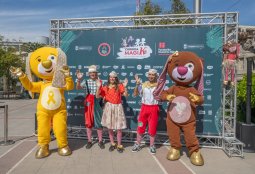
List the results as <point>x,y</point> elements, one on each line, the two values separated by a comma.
<point>104,49</point>
<point>161,44</point>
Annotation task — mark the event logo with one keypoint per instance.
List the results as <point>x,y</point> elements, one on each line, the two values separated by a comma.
<point>134,49</point>
<point>131,74</point>
<point>104,49</point>
<point>162,50</point>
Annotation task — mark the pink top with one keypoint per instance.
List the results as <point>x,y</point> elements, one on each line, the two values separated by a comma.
<point>111,94</point>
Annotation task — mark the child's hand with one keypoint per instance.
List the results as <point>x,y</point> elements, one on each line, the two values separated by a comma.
<point>137,79</point>
<point>98,82</point>
<point>125,82</point>
<point>79,74</point>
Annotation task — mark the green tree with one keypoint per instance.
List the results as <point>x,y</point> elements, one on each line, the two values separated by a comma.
<point>178,7</point>
<point>149,8</point>
<point>9,58</point>
<point>241,98</point>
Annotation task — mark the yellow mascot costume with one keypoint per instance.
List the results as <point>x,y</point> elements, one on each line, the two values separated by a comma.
<point>48,64</point>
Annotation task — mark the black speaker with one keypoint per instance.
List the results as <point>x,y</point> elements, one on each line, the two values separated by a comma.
<point>246,134</point>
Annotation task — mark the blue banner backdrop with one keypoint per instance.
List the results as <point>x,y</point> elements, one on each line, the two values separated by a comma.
<point>134,51</point>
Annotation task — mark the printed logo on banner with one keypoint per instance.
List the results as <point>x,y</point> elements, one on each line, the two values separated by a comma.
<point>157,67</point>
<point>83,48</point>
<point>72,67</point>
<point>209,97</point>
<point>98,66</point>
<point>124,74</point>
<point>208,75</point>
<point>131,102</point>
<point>207,104</point>
<point>147,67</point>
<point>193,46</point>
<point>201,112</point>
<point>139,67</point>
<point>104,49</point>
<point>79,66</point>
<point>207,89</point>
<point>208,82</point>
<point>162,50</point>
<point>115,67</point>
<point>209,112</point>
<point>133,81</point>
<point>131,67</point>
<point>134,49</point>
<point>131,74</point>
<point>105,74</point>
<point>105,67</point>
<point>209,67</point>
<point>123,67</point>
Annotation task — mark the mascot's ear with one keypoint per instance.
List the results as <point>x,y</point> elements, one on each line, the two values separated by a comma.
<point>59,77</point>
<point>200,82</point>
<point>29,73</point>
<point>162,78</point>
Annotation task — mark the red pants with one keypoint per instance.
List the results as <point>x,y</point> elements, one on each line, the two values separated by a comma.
<point>89,111</point>
<point>148,115</point>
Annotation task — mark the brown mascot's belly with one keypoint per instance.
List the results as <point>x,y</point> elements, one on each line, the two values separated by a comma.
<point>180,110</point>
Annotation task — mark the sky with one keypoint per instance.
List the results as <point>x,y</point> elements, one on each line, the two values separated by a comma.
<point>28,19</point>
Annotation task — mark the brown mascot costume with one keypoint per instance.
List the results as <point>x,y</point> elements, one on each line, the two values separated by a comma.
<point>184,68</point>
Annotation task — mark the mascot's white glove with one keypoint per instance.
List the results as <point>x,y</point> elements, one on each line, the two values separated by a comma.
<point>16,71</point>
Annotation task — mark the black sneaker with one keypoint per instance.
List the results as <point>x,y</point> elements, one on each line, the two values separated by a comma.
<point>120,148</point>
<point>101,145</point>
<point>112,147</point>
<point>152,149</point>
<point>89,145</point>
<point>136,147</point>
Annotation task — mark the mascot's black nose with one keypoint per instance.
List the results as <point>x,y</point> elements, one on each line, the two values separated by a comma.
<point>182,70</point>
<point>47,64</point>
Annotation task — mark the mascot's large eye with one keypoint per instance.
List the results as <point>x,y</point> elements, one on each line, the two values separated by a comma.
<point>52,57</point>
<point>190,66</point>
<point>39,60</point>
